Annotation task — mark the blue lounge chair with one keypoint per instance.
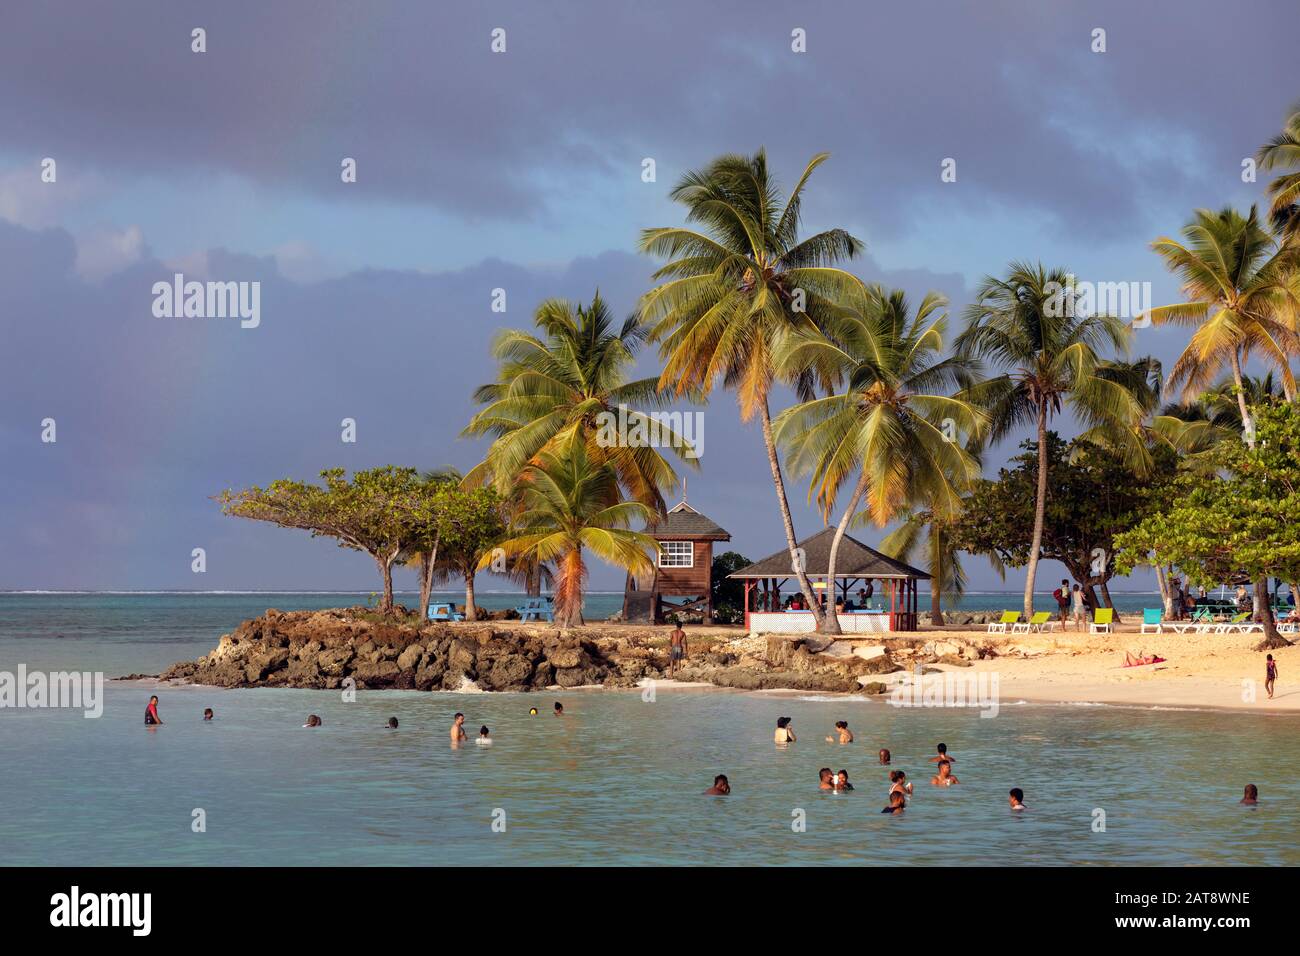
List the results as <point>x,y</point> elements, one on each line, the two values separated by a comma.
<point>444,612</point>
<point>536,609</point>
<point>1152,617</point>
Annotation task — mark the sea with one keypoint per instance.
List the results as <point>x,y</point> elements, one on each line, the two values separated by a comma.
<point>618,779</point>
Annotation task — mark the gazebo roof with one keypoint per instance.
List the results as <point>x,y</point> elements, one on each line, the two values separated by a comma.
<point>684,522</point>
<point>855,560</point>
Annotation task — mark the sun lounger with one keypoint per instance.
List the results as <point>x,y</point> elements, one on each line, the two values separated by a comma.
<point>1152,617</point>
<point>1042,621</point>
<point>1202,622</point>
<point>1008,617</point>
<point>1101,620</point>
<point>1240,624</point>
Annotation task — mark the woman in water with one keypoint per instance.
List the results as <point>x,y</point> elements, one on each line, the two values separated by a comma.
<point>842,733</point>
<point>1252,795</point>
<point>896,804</point>
<point>842,781</point>
<point>392,723</point>
<point>783,735</point>
<point>484,738</point>
<point>207,713</point>
<point>151,712</point>
<point>899,784</point>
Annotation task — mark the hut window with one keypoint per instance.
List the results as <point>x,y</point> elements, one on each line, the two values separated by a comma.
<point>676,554</point>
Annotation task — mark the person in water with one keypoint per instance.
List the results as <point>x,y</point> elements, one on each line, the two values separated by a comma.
<point>898,783</point>
<point>721,787</point>
<point>842,781</point>
<point>884,757</point>
<point>944,778</point>
<point>457,731</point>
<point>1270,675</point>
<point>207,713</point>
<point>825,779</point>
<point>532,711</point>
<point>559,709</point>
<point>484,737</point>
<point>1017,799</point>
<point>783,734</point>
<point>151,712</point>
<point>1252,795</point>
<point>896,803</point>
<point>842,733</point>
<point>392,723</point>
<point>676,648</point>
<point>312,721</point>
<point>942,756</point>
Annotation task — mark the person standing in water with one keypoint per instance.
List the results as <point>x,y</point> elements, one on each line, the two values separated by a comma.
<point>942,755</point>
<point>559,709</point>
<point>944,777</point>
<point>783,734</point>
<point>1252,795</point>
<point>676,648</point>
<point>884,757</point>
<point>897,804</point>
<point>842,733</point>
<point>151,712</point>
<point>721,787</point>
<point>484,738</point>
<point>207,713</point>
<point>457,732</point>
<point>1270,675</point>
<point>1017,799</point>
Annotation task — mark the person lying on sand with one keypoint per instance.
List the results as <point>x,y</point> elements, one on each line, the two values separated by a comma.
<point>1252,795</point>
<point>721,787</point>
<point>944,777</point>
<point>942,756</point>
<point>1131,661</point>
<point>896,803</point>
<point>1017,799</point>
<point>842,732</point>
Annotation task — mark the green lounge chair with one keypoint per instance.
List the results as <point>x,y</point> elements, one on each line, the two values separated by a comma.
<point>1040,622</point>
<point>1101,620</point>
<point>1008,617</point>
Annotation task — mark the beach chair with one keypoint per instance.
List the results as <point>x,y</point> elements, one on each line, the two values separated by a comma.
<point>445,612</point>
<point>1202,622</point>
<point>1000,626</point>
<point>1042,621</point>
<point>1240,624</point>
<point>1152,617</point>
<point>535,609</point>
<point>1101,620</point>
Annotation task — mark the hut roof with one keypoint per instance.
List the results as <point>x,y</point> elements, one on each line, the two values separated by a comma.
<point>684,522</point>
<point>855,560</point>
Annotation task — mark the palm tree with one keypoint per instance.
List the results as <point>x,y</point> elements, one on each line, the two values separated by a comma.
<point>892,423</point>
<point>930,534</point>
<point>1242,295</point>
<point>1027,324</point>
<point>1195,427</point>
<point>737,288</point>
<point>572,502</point>
<point>565,383</point>
<point>1283,152</point>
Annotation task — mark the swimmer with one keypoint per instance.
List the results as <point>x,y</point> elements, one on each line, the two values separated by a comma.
<point>392,723</point>
<point>1252,795</point>
<point>721,787</point>
<point>1017,799</point>
<point>151,713</point>
<point>945,777</point>
<point>825,779</point>
<point>884,757</point>
<point>842,732</point>
<point>896,803</point>
<point>943,755</point>
<point>312,721</point>
<point>484,738</point>
<point>207,713</point>
<point>457,731</point>
<point>1270,675</point>
<point>898,783</point>
<point>842,781</point>
<point>532,711</point>
<point>559,709</point>
<point>783,735</point>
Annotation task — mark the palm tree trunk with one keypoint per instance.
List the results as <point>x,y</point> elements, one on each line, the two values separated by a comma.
<point>830,623</point>
<point>1040,512</point>
<point>938,574</point>
<point>471,609</point>
<point>791,541</point>
<point>1247,425</point>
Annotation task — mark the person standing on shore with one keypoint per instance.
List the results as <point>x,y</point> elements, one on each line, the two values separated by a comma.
<point>1062,595</point>
<point>676,648</point>
<point>1079,606</point>
<point>1270,675</point>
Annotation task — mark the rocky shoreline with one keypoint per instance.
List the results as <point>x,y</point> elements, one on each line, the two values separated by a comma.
<point>323,649</point>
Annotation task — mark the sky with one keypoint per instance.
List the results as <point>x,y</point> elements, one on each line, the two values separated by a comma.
<point>521,170</point>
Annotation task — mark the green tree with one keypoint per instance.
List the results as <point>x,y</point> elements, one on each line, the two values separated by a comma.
<point>1239,521</point>
<point>379,512</point>
<point>1030,324</point>
<point>470,525</point>
<point>572,503</point>
<point>728,595</point>
<point>893,423</point>
<point>734,290</point>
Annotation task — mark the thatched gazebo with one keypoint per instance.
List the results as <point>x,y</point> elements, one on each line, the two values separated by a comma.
<point>857,566</point>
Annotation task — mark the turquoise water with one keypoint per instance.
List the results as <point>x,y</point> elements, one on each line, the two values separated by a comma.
<point>617,780</point>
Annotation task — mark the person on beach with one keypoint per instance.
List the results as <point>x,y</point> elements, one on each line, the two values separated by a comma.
<point>1130,660</point>
<point>392,723</point>
<point>842,733</point>
<point>842,781</point>
<point>151,713</point>
<point>1062,596</point>
<point>1270,675</point>
<point>312,721</point>
<point>898,783</point>
<point>559,709</point>
<point>825,779</point>
<point>1017,799</point>
<point>721,787</point>
<point>884,757</point>
<point>457,731</point>
<point>944,778</point>
<point>207,713</point>
<point>1079,607</point>
<point>676,648</point>
<point>896,803</point>
<point>942,756</point>
<point>1252,795</point>
<point>484,738</point>
<point>783,735</point>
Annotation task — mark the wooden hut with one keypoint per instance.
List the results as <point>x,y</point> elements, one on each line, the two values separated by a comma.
<point>683,568</point>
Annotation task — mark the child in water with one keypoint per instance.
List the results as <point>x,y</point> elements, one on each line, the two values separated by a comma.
<point>484,738</point>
